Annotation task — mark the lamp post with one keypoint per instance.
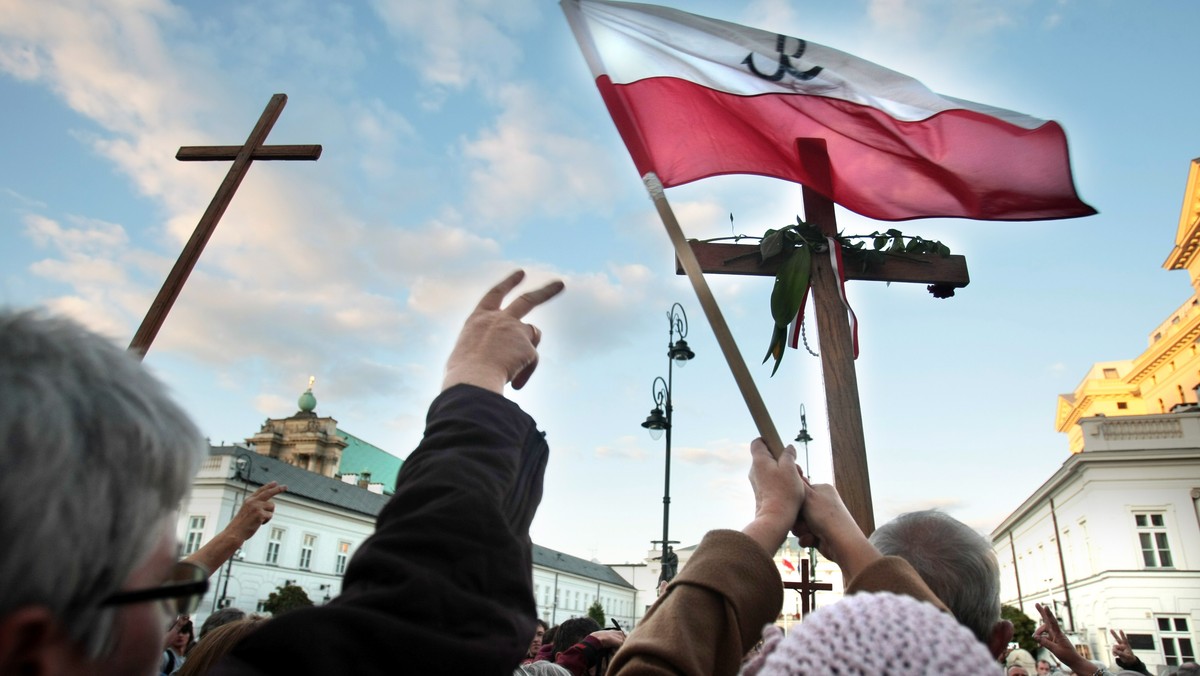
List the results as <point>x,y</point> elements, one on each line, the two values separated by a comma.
<point>241,466</point>
<point>658,422</point>
<point>804,437</point>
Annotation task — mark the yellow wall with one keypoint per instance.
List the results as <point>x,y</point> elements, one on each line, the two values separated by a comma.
<point>1168,372</point>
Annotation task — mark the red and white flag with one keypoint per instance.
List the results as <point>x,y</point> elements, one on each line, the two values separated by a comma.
<point>695,97</point>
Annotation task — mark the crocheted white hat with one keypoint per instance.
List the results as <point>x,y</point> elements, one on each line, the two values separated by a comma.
<point>872,634</point>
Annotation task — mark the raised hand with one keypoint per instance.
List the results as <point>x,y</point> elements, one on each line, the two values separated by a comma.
<point>1121,650</point>
<point>778,494</point>
<point>495,347</point>
<point>826,524</point>
<point>256,511</point>
<point>1051,637</point>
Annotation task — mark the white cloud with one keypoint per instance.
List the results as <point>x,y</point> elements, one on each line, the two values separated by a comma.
<point>527,164</point>
<point>457,43</point>
<point>626,448</point>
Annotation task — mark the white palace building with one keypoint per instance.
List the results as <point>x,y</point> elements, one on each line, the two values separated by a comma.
<point>1112,539</point>
<point>337,485</point>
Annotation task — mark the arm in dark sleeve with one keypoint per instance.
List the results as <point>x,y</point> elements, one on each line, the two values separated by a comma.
<point>444,585</point>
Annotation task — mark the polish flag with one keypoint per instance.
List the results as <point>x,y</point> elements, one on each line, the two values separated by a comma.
<point>694,97</point>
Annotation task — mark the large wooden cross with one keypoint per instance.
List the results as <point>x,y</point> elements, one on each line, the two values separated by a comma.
<point>242,156</point>
<point>837,353</point>
<point>808,588</point>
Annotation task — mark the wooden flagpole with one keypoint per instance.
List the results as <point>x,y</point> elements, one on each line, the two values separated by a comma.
<point>729,348</point>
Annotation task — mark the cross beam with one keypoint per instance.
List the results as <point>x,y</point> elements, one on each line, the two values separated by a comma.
<point>808,588</point>
<point>847,443</point>
<point>242,156</point>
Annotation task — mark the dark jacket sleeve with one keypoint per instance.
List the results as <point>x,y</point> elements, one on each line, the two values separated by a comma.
<point>444,585</point>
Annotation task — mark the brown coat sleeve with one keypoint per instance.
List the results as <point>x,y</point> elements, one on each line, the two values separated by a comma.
<point>894,574</point>
<point>710,615</point>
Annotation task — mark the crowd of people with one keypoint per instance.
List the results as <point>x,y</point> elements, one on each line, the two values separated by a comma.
<point>97,458</point>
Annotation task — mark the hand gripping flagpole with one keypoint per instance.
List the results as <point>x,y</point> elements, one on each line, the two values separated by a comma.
<point>729,348</point>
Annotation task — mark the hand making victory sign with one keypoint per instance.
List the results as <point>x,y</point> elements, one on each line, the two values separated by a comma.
<point>495,347</point>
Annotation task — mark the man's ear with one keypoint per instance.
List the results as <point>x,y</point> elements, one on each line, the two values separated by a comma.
<point>1002,633</point>
<point>33,643</point>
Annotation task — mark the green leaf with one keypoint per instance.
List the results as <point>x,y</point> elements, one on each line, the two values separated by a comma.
<point>771,244</point>
<point>880,242</point>
<point>791,284</point>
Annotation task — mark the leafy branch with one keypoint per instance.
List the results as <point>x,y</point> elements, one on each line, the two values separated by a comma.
<point>797,244</point>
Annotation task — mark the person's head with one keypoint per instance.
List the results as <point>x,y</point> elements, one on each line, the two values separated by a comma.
<point>1043,667</point>
<point>184,639</point>
<point>216,644</point>
<point>1188,669</point>
<point>96,458</point>
<point>536,643</point>
<point>220,618</point>
<point>573,631</point>
<point>1017,670</point>
<point>957,563</point>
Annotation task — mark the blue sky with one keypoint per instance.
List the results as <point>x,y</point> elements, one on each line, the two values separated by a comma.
<point>465,138</point>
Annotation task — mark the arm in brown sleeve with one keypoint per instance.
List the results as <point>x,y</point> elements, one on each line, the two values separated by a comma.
<point>710,614</point>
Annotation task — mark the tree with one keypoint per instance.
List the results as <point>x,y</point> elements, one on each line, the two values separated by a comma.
<point>285,598</point>
<point>596,612</point>
<point>1023,628</point>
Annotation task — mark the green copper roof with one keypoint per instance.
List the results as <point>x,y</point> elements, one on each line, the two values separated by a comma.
<point>360,457</point>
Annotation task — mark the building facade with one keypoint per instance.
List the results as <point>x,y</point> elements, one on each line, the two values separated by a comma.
<point>1112,539</point>
<point>337,485</point>
<point>1165,376</point>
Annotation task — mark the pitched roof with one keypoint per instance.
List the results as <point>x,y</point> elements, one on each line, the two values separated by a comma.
<point>543,556</point>
<point>362,458</point>
<point>310,485</point>
<point>301,482</point>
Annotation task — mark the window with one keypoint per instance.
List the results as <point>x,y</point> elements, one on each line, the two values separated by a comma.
<point>1110,374</point>
<point>1121,405</point>
<point>273,545</point>
<point>1176,640</point>
<point>195,534</point>
<point>1152,535</point>
<point>306,550</point>
<point>343,555</point>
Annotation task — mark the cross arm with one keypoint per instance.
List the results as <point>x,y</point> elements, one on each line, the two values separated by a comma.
<point>230,153</point>
<point>744,259</point>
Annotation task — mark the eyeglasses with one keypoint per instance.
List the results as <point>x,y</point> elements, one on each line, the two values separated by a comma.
<point>185,588</point>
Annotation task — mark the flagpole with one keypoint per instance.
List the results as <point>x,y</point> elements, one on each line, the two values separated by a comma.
<point>729,348</point>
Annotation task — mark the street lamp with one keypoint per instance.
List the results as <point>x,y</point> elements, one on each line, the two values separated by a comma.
<point>242,466</point>
<point>804,437</point>
<point>659,420</point>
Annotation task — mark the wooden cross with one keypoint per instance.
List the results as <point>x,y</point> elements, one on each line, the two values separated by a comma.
<point>242,156</point>
<point>837,353</point>
<point>807,587</point>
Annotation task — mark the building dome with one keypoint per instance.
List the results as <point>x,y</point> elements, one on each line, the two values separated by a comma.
<point>308,401</point>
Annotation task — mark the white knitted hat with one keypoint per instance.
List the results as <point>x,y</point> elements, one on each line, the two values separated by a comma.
<point>872,634</point>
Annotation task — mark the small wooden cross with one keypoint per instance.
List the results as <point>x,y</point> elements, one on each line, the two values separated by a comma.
<point>837,354</point>
<point>242,156</point>
<point>807,587</point>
